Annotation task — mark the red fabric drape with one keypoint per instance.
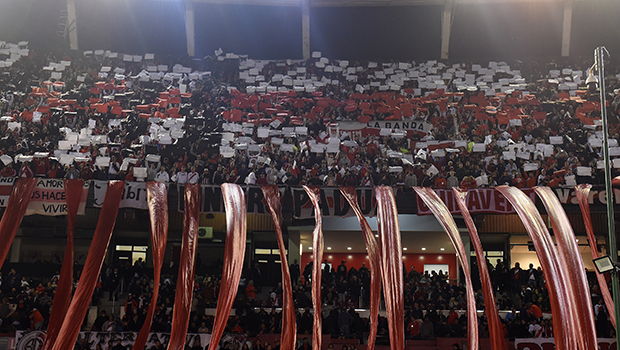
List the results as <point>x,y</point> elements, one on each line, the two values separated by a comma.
<point>547,255</point>
<point>374,262</point>
<point>236,226</point>
<point>14,213</point>
<point>573,270</point>
<point>157,200</point>
<point>391,264</point>
<point>187,268</point>
<point>73,192</point>
<point>441,212</point>
<point>83,294</point>
<point>582,192</point>
<point>317,258</point>
<point>289,321</point>
<point>495,325</point>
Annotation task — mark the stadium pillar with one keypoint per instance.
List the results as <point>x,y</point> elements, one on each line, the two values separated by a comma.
<point>446,26</point>
<point>16,248</point>
<point>305,28</point>
<point>189,28</point>
<point>71,27</point>
<point>566,27</point>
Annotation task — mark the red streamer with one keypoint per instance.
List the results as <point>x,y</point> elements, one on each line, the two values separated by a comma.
<point>374,262</point>
<point>391,264</point>
<point>157,200</point>
<point>547,254</point>
<point>495,325</point>
<point>289,321</point>
<point>582,192</point>
<point>571,265</point>
<point>314,193</point>
<point>14,213</point>
<point>187,268</point>
<point>441,212</point>
<point>236,226</point>
<point>98,247</point>
<point>73,192</point>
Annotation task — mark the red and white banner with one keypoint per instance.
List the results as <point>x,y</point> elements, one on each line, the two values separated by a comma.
<point>549,344</point>
<point>48,197</point>
<point>480,200</point>
<point>374,127</point>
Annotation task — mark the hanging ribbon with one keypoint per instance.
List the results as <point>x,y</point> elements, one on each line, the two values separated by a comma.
<point>187,268</point>
<point>374,262</point>
<point>314,192</point>
<point>14,213</point>
<point>495,325</point>
<point>62,299</point>
<point>157,201</point>
<point>83,294</point>
<point>236,226</point>
<point>582,192</point>
<point>441,212</point>
<point>548,257</point>
<point>571,265</point>
<point>391,264</point>
<point>289,321</point>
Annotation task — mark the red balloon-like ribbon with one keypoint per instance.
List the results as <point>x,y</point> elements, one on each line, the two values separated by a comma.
<point>98,247</point>
<point>495,325</point>
<point>157,201</point>
<point>289,322</point>
<point>437,206</point>
<point>73,194</point>
<point>391,264</point>
<point>236,226</point>
<point>374,263</point>
<point>187,268</point>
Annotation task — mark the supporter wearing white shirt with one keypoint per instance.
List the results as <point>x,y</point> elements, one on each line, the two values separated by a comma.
<point>162,175</point>
<point>181,176</point>
<point>251,178</point>
<point>193,177</point>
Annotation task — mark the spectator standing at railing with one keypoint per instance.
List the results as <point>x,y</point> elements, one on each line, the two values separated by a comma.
<point>72,172</point>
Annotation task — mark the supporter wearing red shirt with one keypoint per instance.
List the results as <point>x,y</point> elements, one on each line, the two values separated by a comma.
<point>468,183</point>
<point>519,181</point>
<point>8,171</point>
<point>42,166</point>
<point>440,181</point>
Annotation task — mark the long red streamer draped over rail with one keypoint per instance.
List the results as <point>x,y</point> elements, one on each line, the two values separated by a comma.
<point>14,213</point>
<point>441,212</point>
<point>187,268</point>
<point>582,192</point>
<point>495,325</point>
<point>73,192</point>
<point>391,264</point>
<point>98,247</point>
<point>374,262</point>
<point>236,226</point>
<point>547,255</point>
<point>317,258</point>
<point>289,322</point>
<point>157,200</point>
<point>572,267</point>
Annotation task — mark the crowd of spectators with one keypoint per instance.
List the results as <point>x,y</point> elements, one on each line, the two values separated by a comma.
<point>433,304</point>
<point>59,129</point>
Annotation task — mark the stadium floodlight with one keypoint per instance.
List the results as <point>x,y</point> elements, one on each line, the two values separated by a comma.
<point>604,264</point>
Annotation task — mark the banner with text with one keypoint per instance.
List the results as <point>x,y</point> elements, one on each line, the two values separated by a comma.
<point>48,197</point>
<point>549,344</point>
<point>332,201</point>
<point>480,200</point>
<point>134,195</point>
<point>375,127</point>
<point>26,340</point>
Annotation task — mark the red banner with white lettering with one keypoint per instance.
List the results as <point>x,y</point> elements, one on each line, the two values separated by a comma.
<point>479,200</point>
